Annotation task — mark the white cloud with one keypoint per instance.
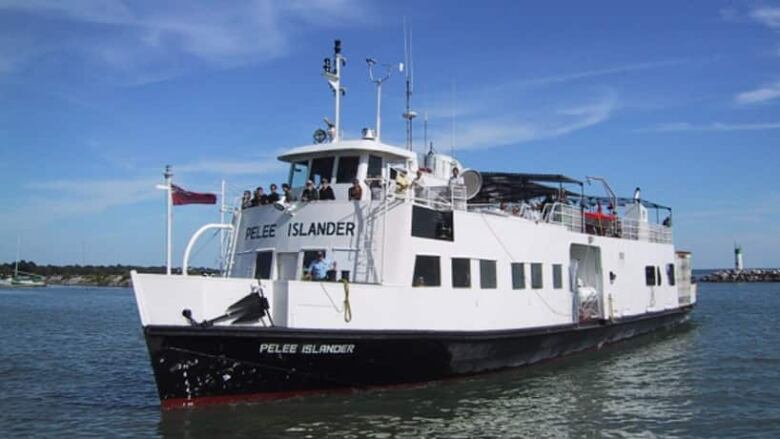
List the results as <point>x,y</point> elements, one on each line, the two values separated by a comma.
<point>489,133</point>
<point>715,126</point>
<point>763,94</point>
<point>138,43</point>
<point>768,16</point>
<point>238,167</point>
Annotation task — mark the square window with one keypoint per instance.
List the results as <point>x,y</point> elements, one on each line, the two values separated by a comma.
<point>670,274</point>
<point>263,265</point>
<point>650,275</point>
<point>536,276</point>
<point>487,274</point>
<point>518,276</point>
<point>427,272</point>
<point>461,273</point>
<point>557,276</point>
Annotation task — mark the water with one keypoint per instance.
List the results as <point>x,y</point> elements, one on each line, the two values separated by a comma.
<point>73,363</point>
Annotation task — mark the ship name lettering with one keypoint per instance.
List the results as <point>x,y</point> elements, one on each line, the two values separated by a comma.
<point>307,349</point>
<point>325,228</point>
<point>260,232</point>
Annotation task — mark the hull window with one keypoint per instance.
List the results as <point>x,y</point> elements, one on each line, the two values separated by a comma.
<point>461,273</point>
<point>650,276</point>
<point>487,274</point>
<point>427,272</point>
<point>557,270</point>
<point>536,276</point>
<point>432,224</point>
<point>263,265</point>
<point>670,274</point>
<point>518,276</point>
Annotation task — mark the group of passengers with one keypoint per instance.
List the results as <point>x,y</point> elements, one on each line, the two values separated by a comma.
<point>310,193</point>
<point>260,198</point>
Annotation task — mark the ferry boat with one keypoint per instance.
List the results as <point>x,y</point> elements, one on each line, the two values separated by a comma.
<point>423,276</point>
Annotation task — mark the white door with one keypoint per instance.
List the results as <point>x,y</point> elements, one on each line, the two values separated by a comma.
<point>287,267</point>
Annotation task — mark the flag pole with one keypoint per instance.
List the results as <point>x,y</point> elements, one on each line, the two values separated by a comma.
<point>168,188</point>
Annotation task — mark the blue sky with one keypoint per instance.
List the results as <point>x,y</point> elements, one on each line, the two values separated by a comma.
<point>679,98</point>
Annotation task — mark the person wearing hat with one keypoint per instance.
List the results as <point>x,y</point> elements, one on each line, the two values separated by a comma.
<point>355,192</point>
<point>310,192</point>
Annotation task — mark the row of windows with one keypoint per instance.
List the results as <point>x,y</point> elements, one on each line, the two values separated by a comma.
<point>653,275</point>
<point>427,273</point>
<point>322,167</point>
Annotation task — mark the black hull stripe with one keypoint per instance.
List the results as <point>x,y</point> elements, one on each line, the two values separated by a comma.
<point>194,365</point>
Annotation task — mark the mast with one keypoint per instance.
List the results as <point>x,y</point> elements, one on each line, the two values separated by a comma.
<point>332,73</point>
<point>409,114</point>
<point>378,81</point>
<point>18,255</point>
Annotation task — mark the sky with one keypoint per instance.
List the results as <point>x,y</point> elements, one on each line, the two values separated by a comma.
<point>679,98</point>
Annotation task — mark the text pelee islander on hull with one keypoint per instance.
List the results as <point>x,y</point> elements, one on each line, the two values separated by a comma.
<point>410,270</point>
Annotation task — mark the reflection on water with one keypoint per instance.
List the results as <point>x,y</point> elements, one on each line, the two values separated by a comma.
<point>73,363</point>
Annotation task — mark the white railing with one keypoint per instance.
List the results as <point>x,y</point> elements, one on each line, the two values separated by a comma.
<point>564,214</point>
<point>642,231</point>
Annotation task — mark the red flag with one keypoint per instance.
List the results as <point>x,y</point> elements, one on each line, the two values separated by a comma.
<point>181,197</point>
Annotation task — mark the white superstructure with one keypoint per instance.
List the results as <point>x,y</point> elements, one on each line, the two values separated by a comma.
<point>419,251</point>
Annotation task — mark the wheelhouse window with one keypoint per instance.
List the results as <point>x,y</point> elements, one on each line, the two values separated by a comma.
<point>461,273</point>
<point>347,169</point>
<point>649,275</point>
<point>670,274</point>
<point>374,167</point>
<point>299,173</point>
<point>557,270</point>
<point>427,272</point>
<point>321,168</point>
<point>487,274</point>
<point>536,276</point>
<point>518,276</point>
<point>263,265</point>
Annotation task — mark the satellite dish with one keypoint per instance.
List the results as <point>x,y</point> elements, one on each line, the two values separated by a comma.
<point>472,179</point>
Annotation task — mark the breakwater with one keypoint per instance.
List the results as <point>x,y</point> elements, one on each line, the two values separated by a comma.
<point>753,275</point>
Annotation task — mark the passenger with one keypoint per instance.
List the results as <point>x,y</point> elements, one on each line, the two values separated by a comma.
<point>288,193</point>
<point>456,179</point>
<point>355,193</point>
<point>260,198</point>
<point>667,222</point>
<point>515,211</point>
<point>246,200</point>
<point>401,181</point>
<point>417,185</point>
<point>326,192</point>
<point>318,269</point>
<point>310,192</point>
<point>273,197</point>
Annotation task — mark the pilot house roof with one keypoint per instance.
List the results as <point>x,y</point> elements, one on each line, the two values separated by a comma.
<point>357,146</point>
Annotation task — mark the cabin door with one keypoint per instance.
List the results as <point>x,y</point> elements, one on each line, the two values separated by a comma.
<point>287,265</point>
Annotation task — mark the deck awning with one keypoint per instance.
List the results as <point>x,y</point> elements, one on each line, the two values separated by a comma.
<point>515,187</point>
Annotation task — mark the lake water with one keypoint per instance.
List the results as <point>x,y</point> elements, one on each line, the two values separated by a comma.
<point>73,363</point>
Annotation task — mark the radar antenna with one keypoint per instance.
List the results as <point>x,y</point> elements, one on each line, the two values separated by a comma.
<point>378,81</point>
<point>409,114</point>
<point>332,73</point>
